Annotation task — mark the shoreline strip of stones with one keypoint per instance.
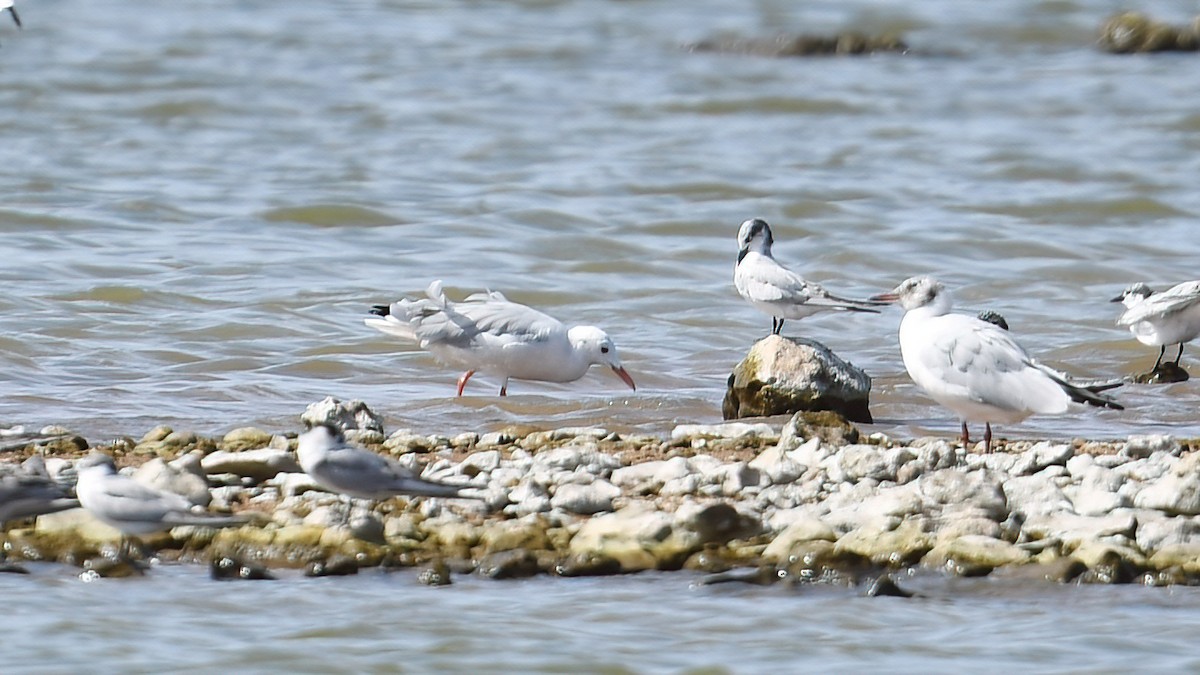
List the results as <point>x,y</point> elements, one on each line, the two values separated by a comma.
<point>808,502</point>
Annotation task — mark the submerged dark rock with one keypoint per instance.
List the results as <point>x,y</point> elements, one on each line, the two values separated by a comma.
<point>886,586</point>
<point>847,43</point>
<point>335,566</point>
<point>436,574</point>
<point>225,568</point>
<point>1135,33</point>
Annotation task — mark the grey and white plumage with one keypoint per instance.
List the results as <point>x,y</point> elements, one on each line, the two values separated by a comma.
<point>973,367</point>
<point>488,333</point>
<point>29,491</point>
<point>8,4</point>
<point>133,508</point>
<point>774,289</point>
<point>1164,318</point>
<point>357,472</point>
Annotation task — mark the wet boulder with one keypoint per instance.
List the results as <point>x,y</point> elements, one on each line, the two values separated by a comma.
<point>783,375</point>
<point>848,43</point>
<point>1135,33</point>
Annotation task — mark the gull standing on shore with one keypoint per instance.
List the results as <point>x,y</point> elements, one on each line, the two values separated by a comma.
<point>134,508</point>
<point>973,367</point>
<point>1160,319</point>
<point>774,289</point>
<point>357,472</point>
<point>488,333</point>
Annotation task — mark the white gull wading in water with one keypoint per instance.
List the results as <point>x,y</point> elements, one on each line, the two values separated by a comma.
<point>487,333</point>
<point>326,457</point>
<point>1160,319</point>
<point>774,289</point>
<point>974,367</point>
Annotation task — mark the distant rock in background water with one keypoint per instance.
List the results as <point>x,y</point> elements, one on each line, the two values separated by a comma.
<point>1134,32</point>
<point>782,375</point>
<point>848,43</point>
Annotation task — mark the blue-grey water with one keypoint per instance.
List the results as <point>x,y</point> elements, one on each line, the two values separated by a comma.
<point>178,620</point>
<point>200,200</point>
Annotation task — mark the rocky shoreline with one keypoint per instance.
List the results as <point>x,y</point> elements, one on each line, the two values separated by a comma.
<point>807,502</point>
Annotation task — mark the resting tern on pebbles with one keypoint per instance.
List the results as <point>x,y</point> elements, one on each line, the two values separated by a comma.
<point>1160,319</point>
<point>30,491</point>
<point>357,472</point>
<point>488,333</point>
<point>133,508</point>
<point>974,367</point>
<point>774,289</point>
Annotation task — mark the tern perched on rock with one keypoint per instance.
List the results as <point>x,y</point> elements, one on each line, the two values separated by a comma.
<point>1164,318</point>
<point>488,333</point>
<point>975,368</point>
<point>774,289</point>
<point>357,472</point>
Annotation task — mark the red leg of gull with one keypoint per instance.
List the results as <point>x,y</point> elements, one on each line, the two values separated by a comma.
<point>504,388</point>
<point>966,438</point>
<point>462,381</point>
<point>987,437</point>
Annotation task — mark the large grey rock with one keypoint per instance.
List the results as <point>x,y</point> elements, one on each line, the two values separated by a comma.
<point>261,464</point>
<point>1154,534</point>
<point>191,484</point>
<point>777,465</point>
<point>1072,529</point>
<point>857,462</point>
<point>951,490</point>
<point>1042,455</point>
<point>638,536</point>
<point>586,500</point>
<point>342,415</point>
<point>1172,494</point>
<point>1036,495</point>
<point>786,375</point>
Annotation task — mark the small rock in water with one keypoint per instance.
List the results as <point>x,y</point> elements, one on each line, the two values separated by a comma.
<point>786,375</point>
<point>588,564</point>
<point>225,568</point>
<point>110,568</point>
<point>437,574</point>
<point>886,586</point>
<point>514,564</point>
<point>12,568</point>
<point>760,576</point>
<point>335,566</point>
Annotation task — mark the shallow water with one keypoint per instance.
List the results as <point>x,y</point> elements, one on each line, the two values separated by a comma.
<point>202,200</point>
<point>176,618</point>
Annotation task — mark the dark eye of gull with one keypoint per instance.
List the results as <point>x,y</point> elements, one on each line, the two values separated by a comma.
<point>604,349</point>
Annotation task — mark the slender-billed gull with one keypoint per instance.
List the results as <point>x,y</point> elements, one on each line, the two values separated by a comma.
<point>488,333</point>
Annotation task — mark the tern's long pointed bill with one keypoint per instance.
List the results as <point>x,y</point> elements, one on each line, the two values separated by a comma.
<point>17,19</point>
<point>1119,298</point>
<point>624,375</point>
<point>884,297</point>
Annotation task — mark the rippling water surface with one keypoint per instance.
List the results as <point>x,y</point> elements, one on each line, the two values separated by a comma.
<point>200,200</point>
<point>177,619</point>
